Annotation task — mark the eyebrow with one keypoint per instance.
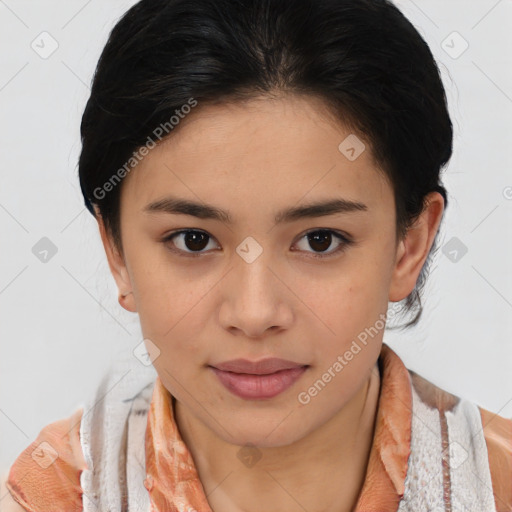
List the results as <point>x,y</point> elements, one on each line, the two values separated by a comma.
<point>174,205</point>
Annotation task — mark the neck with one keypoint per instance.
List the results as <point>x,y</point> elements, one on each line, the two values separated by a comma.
<point>295,477</point>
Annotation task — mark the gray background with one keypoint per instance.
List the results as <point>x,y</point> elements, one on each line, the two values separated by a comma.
<point>60,323</point>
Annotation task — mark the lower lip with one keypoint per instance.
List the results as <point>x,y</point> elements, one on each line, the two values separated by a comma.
<point>258,387</point>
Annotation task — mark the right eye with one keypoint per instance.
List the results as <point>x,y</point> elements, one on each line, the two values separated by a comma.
<point>189,242</point>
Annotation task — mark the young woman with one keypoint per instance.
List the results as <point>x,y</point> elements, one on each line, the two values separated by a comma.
<point>266,179</point>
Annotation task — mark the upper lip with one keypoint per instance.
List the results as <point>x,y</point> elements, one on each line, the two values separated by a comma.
<point>262,367</point>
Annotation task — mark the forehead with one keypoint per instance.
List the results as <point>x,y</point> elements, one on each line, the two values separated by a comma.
<point>277,150</point>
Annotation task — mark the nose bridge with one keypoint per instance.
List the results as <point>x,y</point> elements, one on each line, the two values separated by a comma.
<point>252,269</point>
<point>255,301</point>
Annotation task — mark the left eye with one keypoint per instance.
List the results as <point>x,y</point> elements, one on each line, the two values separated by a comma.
<point>322,239</point>
<point>194,241</point>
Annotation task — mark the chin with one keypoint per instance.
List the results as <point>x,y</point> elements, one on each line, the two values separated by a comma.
<point>264,434</point>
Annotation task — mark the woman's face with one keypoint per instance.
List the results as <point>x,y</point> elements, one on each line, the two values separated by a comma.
<point>255,285</point>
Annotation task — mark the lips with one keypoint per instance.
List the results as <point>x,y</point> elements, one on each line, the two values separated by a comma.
<point>257,380</point>
<point>262,367</point>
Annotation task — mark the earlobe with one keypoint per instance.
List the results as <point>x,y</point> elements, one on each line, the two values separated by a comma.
<point>414,249</point>
<point>117,267</point>
<point>128,304</point>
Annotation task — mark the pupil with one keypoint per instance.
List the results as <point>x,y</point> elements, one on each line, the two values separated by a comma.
<point>324,237</point>
<point>193,240</point>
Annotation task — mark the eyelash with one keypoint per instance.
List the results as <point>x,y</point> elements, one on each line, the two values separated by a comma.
<point>344,239</point>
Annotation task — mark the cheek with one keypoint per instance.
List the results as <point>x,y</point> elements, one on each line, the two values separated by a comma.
<point>352,298</point>
<point>171,309</point>
<point>348,310</point>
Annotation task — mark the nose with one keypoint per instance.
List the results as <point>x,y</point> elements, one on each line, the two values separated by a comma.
<point>256,302</point>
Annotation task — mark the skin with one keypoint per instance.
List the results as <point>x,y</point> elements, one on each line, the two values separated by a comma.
<point>254,159</point>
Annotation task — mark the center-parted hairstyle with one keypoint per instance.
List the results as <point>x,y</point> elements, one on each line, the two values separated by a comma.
<point>363,58</point>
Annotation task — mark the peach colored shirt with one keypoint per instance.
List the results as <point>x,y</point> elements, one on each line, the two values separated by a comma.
<point>39,480</point>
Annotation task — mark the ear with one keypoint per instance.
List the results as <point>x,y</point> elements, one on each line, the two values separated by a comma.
<point>117,267</point>
<point>413,250</point>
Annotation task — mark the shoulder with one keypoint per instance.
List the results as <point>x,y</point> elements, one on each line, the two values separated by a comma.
<point>498,437</point>
<point>46,475</point>
<point>497,432</point>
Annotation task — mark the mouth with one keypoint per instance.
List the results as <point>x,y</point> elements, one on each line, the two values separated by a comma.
<point>261,367</point>
<point>260,379</point>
